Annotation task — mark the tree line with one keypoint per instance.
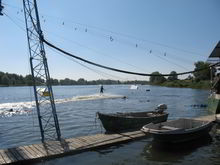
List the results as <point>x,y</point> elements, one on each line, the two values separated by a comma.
<point>7,79</point>
<point>196,77</point>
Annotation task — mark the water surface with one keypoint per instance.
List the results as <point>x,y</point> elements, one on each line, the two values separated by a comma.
<point>78,118</point>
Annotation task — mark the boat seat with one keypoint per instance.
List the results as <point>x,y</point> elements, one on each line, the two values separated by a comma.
<point>169,127</point>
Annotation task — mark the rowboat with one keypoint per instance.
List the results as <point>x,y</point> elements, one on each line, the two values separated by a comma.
<point>117,122</point>
<point>177,131</point>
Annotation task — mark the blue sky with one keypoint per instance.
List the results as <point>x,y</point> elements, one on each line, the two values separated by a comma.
<point>176,32</point>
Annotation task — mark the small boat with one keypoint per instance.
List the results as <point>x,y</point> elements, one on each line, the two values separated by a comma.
<point>118,122</point>
<point>177,131</point>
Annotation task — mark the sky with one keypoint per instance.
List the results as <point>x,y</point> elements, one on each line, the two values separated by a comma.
<point>135,35</point>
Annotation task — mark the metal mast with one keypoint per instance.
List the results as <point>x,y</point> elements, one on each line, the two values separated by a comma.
<point>46,109</point>
<point>1,8</point>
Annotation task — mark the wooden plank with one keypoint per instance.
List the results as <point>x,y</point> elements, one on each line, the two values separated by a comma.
<point>79,142</point>
<point>40,149</point>
<point>86,139</point>
<point>10,155</point>
<point>60,146</point>
<point>107,140</point>
<point>74,140</point>
<point>5,156</point>
<point>65,146</point>
<point>92,139</point>
<point>55,147</point>
<point>132,133</point>
<point>2,161</point>
<point>32,154</point>
<point>75,145</point>
<point>83,141</point>
<point>36,151</point>
<point>26,152</point>
<point>98,137</point>
<point>101,139</point>
<point>16,154</point>
<point>47,149</point>
<point>21,152</point>
<point>137,136</point>
<point>115,140</point>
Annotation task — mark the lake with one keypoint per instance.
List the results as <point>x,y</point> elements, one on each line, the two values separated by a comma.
<point>78,117</point>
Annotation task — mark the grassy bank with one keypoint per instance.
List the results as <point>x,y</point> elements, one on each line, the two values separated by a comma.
<point>186,84</point>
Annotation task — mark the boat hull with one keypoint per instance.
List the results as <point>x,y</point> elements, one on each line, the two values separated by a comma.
<point>178,135</point>
<point>182,137</point>
<point>116,123</point>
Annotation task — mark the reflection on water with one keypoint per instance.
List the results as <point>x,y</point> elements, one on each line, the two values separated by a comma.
<point>162,152</point>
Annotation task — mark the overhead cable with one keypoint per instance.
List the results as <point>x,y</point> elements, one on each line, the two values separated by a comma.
<point>119,70</point>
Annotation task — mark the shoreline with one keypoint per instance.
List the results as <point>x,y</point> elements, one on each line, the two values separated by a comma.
<point>172,84</point>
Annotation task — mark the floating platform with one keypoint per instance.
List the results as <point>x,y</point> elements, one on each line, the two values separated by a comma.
<point>55,149</point>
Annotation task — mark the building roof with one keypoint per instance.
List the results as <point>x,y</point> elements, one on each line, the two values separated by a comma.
<point>216,51</point>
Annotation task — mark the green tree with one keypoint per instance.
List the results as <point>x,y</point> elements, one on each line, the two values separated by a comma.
<point>173,76</point>
<point>81,81</point>
<point>54,81</point>
<point>1,75</point>
<point>28,80</point>
<point>204,74</point>
<point>157,79</point>
<point>5,80</point>
<point>12,81</point>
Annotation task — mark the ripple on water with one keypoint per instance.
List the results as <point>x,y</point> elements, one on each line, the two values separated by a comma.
<point>77,118</point>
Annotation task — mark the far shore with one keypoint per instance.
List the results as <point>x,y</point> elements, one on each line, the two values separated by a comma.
<point>173,84</point>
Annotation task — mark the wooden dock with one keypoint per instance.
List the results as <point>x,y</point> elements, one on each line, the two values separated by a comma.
<point>54,149</point>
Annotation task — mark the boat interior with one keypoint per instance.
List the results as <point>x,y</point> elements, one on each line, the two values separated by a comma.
<point>182,123</point>
<point>139,114</point>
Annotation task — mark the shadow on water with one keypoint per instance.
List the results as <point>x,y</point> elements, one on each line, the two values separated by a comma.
<point>160,152</point>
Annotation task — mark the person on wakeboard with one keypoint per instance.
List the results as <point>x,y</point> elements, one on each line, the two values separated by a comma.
<point>101,89</point>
